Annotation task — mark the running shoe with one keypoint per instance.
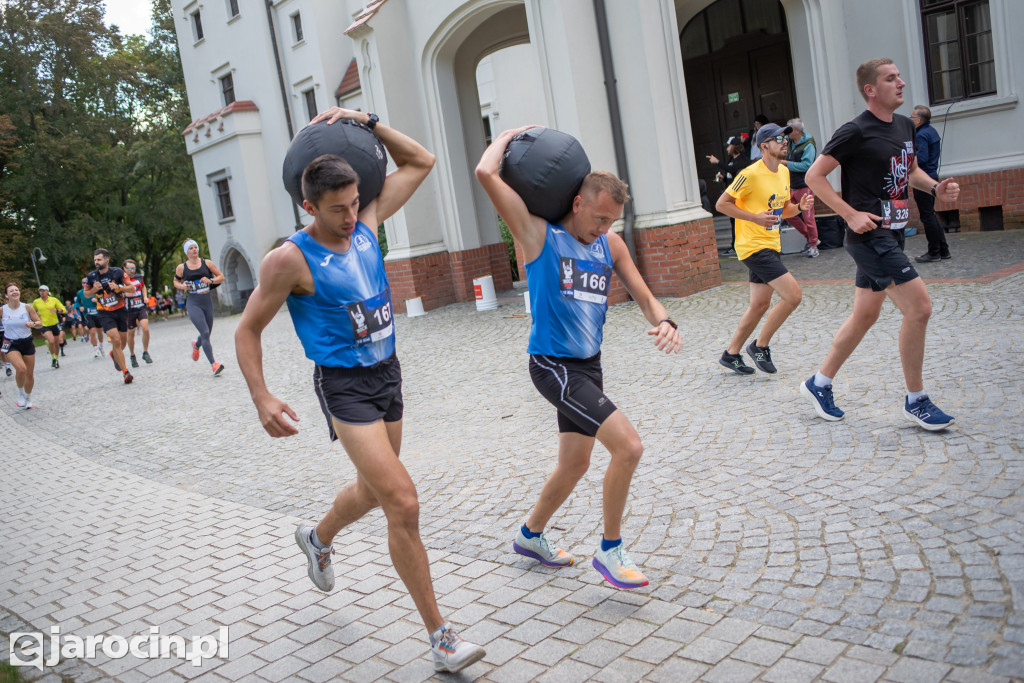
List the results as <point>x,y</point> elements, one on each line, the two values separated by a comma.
<point>127,377</point>
<point>8,370</point>
<point>539,548</point>
<point>97,353</point>
<point>813,252</point>
<point>451,652</point>
<point>320,571</point>
<point>195,351</point>
<point>62,354</point>
<point>762,357</point>
<point>217,368</point>
<point>135,363</point>
<point>735,363</point>
<point>807,248</point>
<point>53,361</point>
<point>821,397</point>
<point>927,258</point>
<point>111,354</point>
<point>926,414</point>
<point>145,357</point>
<point>617,569</point>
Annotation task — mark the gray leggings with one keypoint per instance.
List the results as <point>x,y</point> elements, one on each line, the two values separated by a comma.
<point>200,312</point>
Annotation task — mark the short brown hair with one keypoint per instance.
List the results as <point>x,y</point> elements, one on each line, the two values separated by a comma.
<point>597,181</point>
<point>326,173</point>
<point>867,73</point>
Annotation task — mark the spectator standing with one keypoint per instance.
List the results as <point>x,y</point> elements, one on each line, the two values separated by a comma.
<point>801,156</point>
<point>755,151</point>
<point>928,147</point>
<point>728,170</point>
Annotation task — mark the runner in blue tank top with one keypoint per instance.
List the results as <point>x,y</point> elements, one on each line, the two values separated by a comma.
<point>332,275</point>
<point>569,268</point>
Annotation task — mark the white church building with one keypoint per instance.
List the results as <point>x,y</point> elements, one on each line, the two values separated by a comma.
<point>650,87</point>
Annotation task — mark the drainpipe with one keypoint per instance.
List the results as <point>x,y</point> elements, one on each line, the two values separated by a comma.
<point>616,117</point>
<point>284,95</point>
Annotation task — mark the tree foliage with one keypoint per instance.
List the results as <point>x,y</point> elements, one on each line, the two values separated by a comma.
<point>91,152</point>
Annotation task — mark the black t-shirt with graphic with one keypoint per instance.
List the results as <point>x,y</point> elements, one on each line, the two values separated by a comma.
<point>876,159</point>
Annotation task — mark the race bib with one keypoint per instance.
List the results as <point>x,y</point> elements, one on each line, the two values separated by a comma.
<point>586,280</point>
<point>371,319</point>
<point>895,214</point>
<point>6,346</point>
<point>90,310</point>
<point>107,299</point>
<point>135,302</point>
<point>198,287</point>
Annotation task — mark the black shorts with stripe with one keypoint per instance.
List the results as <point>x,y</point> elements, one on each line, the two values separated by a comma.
<point>576,388</point>
<point>360,395</point>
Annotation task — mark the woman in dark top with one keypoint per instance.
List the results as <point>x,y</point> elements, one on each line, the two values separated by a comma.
<point>198,277</point>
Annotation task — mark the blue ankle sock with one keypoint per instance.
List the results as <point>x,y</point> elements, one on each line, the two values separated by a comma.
<point>530,534</point>
<point>607,545</point>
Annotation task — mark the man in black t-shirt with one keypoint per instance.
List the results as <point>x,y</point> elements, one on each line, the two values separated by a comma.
<point>878,157</point>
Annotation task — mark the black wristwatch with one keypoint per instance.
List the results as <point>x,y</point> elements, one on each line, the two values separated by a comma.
<point>373,121</point>
<point>670,321</point>
<point>934,187</point>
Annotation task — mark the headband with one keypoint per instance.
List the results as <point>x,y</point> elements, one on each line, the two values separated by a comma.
<point>189,244</point>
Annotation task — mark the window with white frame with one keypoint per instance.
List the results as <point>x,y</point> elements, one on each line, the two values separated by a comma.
<point>958,49</point>
<point>232,8</point>
<point>227,88</point>
<point>220,183</point>
<point>309,97</point>
<point>197,26</point>
<point>297,27</point>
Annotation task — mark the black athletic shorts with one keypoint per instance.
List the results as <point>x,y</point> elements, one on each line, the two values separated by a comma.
<point>24,346</point>
<point>135,315</point>
<point>764,265</point>
<point>92,322</point>
<point>881,261</point>
<point>576,388</point>
<point>110,319</point>
<point>56,329</point>
<point>361,395</point>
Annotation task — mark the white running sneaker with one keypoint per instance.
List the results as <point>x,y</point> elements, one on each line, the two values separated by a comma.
<point>321,573</point>
<point>97,353</point>
<point>539,548</point>
<point>617,569</point>
<point>451,652</point>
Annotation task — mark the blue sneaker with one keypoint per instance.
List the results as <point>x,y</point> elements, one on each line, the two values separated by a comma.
<point>926,414</point>
<point>821,397</point>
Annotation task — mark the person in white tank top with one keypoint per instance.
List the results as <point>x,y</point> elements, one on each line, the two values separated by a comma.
<point>19,321</point>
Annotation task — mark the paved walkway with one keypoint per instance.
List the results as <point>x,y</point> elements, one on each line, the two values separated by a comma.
<point>779,547</point>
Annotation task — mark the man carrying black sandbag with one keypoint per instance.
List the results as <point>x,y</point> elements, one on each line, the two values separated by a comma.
<point>332,275</point>
<point>569,267</point>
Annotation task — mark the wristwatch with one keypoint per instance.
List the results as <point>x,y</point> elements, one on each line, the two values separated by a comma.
<point>670,321</point>
<point>371,123</point>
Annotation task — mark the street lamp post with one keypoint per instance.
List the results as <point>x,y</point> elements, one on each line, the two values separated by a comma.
<point>42,259</point>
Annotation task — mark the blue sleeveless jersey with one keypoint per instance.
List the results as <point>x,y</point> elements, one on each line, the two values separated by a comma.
<point>569,285</point>
<point>347,321</point>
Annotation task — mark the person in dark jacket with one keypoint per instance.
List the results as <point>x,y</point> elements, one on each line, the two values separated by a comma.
<point>728,170</point>
<point>928,148</point>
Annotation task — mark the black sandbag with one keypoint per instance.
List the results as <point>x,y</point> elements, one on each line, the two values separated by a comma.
<point>352,141</point>
<point>546,168</point>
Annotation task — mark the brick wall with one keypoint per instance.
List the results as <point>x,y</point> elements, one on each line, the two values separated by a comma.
<point>442,279</point>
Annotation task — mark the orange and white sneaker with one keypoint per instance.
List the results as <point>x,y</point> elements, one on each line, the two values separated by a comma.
<point>617,569</point>
<point>540,549</point>
<point>217,368</point>
<point>452,653</point>
<point>195,351</point>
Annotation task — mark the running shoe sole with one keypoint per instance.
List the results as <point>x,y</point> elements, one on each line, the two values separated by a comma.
<point>534,556</point>
<point>817,406</point>
<point>220,369</point>
<point>924,425</point>
<point>610,579</point>
<point>305,546</point>
<point>128,378</point>
<point>440,667</point>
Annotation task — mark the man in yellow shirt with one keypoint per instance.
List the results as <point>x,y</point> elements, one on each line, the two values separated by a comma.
<point>758,199</point>
<point>47,306</point>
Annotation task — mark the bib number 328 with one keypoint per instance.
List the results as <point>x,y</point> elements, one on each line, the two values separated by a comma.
<point>585,280</point>
<point>371,319</point>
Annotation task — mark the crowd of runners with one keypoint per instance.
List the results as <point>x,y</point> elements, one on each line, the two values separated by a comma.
<point>113,305</point>
<point>340,304</point>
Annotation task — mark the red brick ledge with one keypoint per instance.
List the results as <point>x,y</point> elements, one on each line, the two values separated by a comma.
<point>237,105</point>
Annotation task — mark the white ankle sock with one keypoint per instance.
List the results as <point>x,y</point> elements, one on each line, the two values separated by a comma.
<point>821,380</point>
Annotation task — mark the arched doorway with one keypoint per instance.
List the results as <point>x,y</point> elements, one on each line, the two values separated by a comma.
<point>238,279</point>
<point>737,64</point>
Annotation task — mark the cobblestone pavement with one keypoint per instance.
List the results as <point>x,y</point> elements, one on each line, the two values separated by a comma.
<point>779,547</point>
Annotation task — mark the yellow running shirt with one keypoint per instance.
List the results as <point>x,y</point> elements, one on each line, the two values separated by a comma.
<point>47,310</point>
<point>756,189</point>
